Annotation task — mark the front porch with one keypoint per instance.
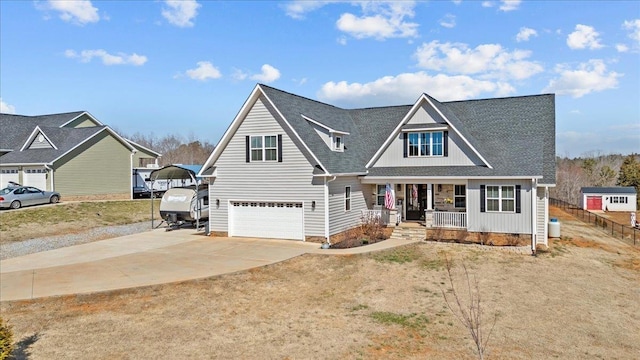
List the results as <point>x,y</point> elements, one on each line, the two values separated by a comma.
<point>430,204</point>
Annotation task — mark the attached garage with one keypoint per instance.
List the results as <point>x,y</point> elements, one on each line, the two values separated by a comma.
<point>276,220</point>
<point>8,174</point>
<point>35,176</point>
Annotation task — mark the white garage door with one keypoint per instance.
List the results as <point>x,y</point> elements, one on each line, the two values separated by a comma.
<point>36,177</point>
<point>277,220</point>
<point>8,174</point>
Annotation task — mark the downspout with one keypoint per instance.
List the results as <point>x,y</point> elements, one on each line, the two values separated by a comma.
<point>534,216</point>
<point>326,208</point>
<point>50,170</point>
<point>131,174</point>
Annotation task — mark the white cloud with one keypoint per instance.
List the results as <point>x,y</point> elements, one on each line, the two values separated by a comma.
<point>525,33</point>
<point>180,12</point>
<point>457,2</point>
<point>298,9</point>
<point>107,59</point>
<point>509,5</point>
<point>79,12</point>
<point>342,40</point>
<point>405,89</point>
<point>487,60</point>
<point>269,74</point>
<point>6,108</point>
<point>205,71</point>
<point>584,37</point>
<point>448,21</point>
<point>239,74</point>
<point>588,77</point>
<point>381,20</point>
<point>488,4</point>
<point>622,48</point>
<point>634,29</point>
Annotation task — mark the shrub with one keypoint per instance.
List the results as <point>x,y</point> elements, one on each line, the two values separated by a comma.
<point>6,339</point>
<point>484,236</point>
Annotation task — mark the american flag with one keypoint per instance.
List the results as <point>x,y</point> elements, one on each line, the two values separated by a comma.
<point>389,203</point>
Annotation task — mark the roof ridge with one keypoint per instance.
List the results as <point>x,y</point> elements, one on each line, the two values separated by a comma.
<point>300,96</point>
<point>490,99</point>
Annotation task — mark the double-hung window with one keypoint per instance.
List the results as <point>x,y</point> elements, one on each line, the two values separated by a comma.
<point>501,198</point>
<point>264,148</point>
<point>380,194</point>
<point>425,144</point>
<point>460,196</point>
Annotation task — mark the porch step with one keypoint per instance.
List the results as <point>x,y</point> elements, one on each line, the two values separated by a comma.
<point>409,233</point>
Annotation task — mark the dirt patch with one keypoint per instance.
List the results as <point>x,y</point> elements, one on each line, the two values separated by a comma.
<point>579,304</point>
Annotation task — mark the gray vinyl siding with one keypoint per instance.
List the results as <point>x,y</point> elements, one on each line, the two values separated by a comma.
<point>339,219</point>
<point>503,222</point>
<point>290,180</point>
<point>425,115</point>
<point>100,166</point>
<point>458,152</point>
<point>324,135</point>
<point>541,216</point>
<point>35,144</point>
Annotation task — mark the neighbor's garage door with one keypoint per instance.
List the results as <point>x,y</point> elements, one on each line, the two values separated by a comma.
<point>36,177</point>
<point>8,174</point>
<point>278,220</point>
<point>594,203</point>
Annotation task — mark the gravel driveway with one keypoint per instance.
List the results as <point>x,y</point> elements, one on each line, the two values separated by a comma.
<point>25,247</point>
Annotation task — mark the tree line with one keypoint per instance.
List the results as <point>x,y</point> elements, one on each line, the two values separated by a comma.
<point>176,149</point>
<point>594,170</point>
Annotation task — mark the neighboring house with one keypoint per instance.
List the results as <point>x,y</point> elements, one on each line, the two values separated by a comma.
<point>71,153</point>
<point>618,198</point>
<point>295,168</point>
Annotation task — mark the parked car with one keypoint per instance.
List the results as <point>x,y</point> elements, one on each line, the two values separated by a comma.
<point>17,197</point>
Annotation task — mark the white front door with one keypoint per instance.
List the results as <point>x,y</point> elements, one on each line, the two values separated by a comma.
<point>35,176</point>
<point>266,219</point>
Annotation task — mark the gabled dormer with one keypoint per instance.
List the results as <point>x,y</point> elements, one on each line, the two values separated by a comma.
<point>38,140</point>
<point>429,135</point>
<point>335,139</point>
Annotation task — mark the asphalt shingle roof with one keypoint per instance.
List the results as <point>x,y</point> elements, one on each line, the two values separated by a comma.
<point>16,130</point>
<point>609,190</point>
<point>515,135</point>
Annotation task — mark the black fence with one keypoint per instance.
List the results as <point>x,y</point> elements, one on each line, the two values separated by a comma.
<point>625,232</point>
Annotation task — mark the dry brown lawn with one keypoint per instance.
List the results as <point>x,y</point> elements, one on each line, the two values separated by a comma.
<point>576,300</point>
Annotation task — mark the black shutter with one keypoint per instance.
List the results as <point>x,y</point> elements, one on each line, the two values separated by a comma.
<point>518,200</point>
<point>279,147</point>
<point>482,198</point>
<point>404,138</point>
<point>247,150</point>
<point>445,140</point>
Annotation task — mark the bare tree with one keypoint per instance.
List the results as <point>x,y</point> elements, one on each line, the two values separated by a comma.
<point>468,309</point>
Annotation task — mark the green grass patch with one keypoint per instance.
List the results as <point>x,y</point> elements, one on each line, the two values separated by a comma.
<point>412,321</point>
<point>399,255</point>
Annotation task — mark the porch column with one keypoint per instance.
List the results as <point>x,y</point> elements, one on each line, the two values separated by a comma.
<point>429,196</point>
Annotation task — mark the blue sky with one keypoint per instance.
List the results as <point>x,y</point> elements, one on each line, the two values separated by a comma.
<point>186,67</point>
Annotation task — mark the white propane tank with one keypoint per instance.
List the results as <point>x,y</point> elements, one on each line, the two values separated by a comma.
<point>554,228</point>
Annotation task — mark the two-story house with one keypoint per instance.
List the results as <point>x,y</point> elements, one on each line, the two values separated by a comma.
<point>294,168</point>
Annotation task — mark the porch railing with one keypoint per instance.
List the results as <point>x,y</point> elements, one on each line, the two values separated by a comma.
<point>383,215</point>
<point>444,219</point>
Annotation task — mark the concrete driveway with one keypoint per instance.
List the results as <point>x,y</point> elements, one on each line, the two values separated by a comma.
<point>148,258</point>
